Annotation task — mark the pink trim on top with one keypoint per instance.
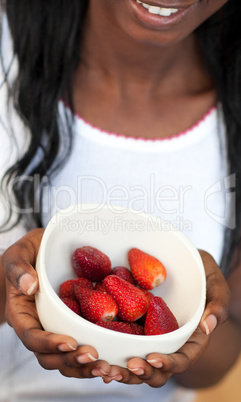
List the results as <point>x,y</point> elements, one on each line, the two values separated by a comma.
<point>174,136</point>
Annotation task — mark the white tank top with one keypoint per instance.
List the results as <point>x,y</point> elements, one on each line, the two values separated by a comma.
<point>180,179</point>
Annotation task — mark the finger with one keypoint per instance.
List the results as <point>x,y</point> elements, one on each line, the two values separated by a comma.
<point>19,259</point>
<point>140,367</point>
<point>115,373</point>
<point>21,314</point>
<point>174,363</point>
<point>37,340</point>
<point>217,297</point>
<point>69,367</point>
<point>154,377</point>
<point>86,354</point>
<point>181,360</point>
<point>122,375</point>
<point>65,361</point>
<point>149,374</point>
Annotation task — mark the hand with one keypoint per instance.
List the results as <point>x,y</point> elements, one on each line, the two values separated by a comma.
<point>158,368</point>
<point>52,351</point>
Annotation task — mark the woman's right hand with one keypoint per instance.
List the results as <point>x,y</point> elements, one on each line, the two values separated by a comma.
<point>52,351</point>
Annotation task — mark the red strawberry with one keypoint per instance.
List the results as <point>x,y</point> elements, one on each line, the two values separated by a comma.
<point>149,297</point>
<point>96,306</point>
<point>138,329</point>
<point>100,286</point>
<point>147,270</point>
<point>72,304</point>
<point>91,263</point>
<point>66,289</point>
<point>131,301</point>
<point>123,273</point>
<point>126,327</point>
<point>159,319</point>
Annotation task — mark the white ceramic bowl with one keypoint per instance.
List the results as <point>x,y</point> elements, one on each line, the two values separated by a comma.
<point>114,232</point>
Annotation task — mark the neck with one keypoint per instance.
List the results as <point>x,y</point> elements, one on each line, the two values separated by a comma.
<point>128,63</point>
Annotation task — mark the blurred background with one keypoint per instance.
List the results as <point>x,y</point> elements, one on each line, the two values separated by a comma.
<point>228,390</point>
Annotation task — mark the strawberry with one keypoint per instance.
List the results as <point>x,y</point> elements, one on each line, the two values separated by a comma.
<point>72,304</point>
<point>91,263</point>
<point>66,289</point>
<point>159,319</point>
<point>96,306</point>
<point>138,329</point>
<point>100,286</point>
<point>123,273</point>
<point>147,270</point>
<point>131,301</point>
<point>149,297</point>
<point>126,327</point>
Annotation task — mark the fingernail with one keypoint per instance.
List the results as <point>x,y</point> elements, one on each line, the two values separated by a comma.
<point>106,379</point>
<point>155,363</point>
<point>27,283</point>
<point>137,371</point>
<point>117,377</point>
<point>98,372</point>
<point>66,347</point>
<point>210,323</point>
<point>85,358</point>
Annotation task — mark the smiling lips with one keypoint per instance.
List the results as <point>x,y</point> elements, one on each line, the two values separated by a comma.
<point>164,12</point>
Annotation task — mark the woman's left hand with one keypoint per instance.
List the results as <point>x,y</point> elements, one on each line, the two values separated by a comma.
<point>158,368</point>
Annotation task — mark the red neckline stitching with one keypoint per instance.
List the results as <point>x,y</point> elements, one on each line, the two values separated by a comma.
<point>174,136</point>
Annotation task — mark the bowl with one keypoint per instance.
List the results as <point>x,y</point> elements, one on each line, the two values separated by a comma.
<point>114,231</point>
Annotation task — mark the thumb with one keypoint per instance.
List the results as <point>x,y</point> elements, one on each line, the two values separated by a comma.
<point>19,261</point>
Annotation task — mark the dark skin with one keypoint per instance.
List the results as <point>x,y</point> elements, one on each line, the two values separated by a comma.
<point>142,77</point>
<point>137,82</point>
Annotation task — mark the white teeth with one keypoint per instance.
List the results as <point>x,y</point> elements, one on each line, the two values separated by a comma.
<point>154,10</point>
<point>164,12</point>
<point>145,5</point>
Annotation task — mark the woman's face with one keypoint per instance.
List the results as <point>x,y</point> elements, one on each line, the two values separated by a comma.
<point>160,22</point>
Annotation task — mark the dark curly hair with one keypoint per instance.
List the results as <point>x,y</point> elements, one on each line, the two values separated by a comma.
<point>47,42</point>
